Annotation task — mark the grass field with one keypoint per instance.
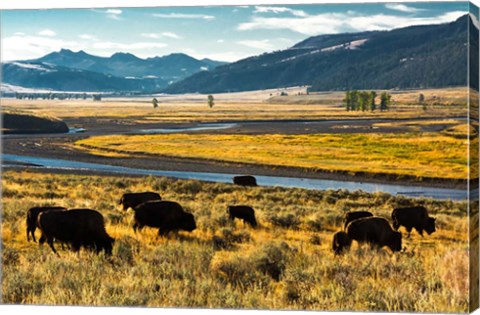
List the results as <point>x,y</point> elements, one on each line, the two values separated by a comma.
<point>188,270</point>
<point>258,105</point>
<point>432,155</point>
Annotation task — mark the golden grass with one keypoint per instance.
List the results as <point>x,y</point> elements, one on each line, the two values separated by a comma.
<point>188,270</point>
<point>416,154</point>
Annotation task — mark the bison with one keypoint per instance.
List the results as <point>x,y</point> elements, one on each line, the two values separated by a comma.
<point>245,180</point>
<point>246,213</point>
<point>32,216</point>
<point>165,215</point>
<point>375,231</point>
<point>131,200</point>
<point>353,215</point>
<point>341,242</point>
<point>413,217</point>
<point>78,227</point>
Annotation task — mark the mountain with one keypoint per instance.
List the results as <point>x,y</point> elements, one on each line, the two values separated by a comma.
<point>167,68</point>
<point>41,75</point>
<point>411,57</point>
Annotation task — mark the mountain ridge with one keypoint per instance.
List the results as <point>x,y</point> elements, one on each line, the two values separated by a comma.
<point>411,57</point>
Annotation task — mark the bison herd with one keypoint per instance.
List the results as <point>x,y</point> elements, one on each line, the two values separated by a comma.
<point>364,227</point>
<point>85,228</point>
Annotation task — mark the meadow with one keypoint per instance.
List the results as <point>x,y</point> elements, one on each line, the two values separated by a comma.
<point>286,263</point>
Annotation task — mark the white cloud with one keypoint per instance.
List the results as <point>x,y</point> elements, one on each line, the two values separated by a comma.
<point>114,14</point>
<point>87,37</point>
<point>161,35</point>
<point>47,32</point>
<point>258,44</point>
<point>184,16</point>
<point>334,23</point>
<point>276,10</point>
<point>171,35</point>
<point>402,8</point>
<point>220,41</point>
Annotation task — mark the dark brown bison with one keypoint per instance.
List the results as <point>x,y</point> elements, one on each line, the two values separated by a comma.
<point>32,216</point>
<point>413,217</point>
<point>245,213</point>
<point>131,200</point>
<point>245,180</point>
<point>77,227</point>
<point>375,231</point>
<point>165,215</point>
<point>341,242</point>
<point>353,215</point>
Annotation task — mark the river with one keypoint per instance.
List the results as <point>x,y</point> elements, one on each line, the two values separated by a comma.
<point>11,160</point>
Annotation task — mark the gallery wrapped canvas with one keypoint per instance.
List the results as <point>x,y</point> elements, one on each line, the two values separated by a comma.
<point>305,156</point>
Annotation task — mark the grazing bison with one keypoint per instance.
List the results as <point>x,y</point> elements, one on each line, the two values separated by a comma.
<point>165,215</point>
<point>131,200</point>
<point>246,213</point>
<point>245,180</point>
<point>341,242</point>
<point>413,217</point>
<point>78,227</point>
<point>353,215</point>
<point>376,232</point>
<point>32,216</point>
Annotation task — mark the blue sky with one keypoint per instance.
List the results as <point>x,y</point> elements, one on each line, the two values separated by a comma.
<point>225,33</point>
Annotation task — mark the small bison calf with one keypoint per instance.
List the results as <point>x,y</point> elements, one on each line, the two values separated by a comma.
<point>32,216</point>
<point>341,242</point>
<point>245,213</point>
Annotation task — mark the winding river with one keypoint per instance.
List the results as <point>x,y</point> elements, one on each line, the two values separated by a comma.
<point>11,160</point>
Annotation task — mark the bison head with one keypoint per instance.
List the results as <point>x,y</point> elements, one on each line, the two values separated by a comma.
<point>396,242</point>
<point>430,226</point>
<point>188,223</point>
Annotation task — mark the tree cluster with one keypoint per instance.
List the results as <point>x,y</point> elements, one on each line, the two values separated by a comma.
<point>365,100</point>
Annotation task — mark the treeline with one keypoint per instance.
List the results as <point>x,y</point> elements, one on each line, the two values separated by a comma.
<point>58,96</point>
<point>366,100</point>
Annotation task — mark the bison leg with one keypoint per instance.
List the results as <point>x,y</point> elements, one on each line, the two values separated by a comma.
<point>28,235</point>
<point>137,226</point>
<point>76,246</point>
<point>50,243</point>
<point>42,239</point>
<point>409,230</point>
<point>33,236</point>
<point>419,230</point>
<point>163,232</point>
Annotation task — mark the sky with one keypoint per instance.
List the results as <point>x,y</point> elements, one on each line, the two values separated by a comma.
<point>225,33</point>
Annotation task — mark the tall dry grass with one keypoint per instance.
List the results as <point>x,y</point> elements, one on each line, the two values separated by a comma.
<point>286,263</point>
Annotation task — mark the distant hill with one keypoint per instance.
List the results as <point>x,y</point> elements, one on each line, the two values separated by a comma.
<point>38,75</point>
<point>168,68</point>
<point>412,57</point>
